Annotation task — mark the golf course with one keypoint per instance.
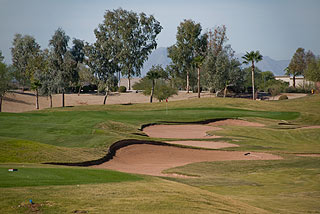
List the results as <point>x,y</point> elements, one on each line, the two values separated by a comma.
<point>208,155</point>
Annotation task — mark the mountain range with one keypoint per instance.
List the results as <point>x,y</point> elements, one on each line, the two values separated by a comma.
<point>160,57</point>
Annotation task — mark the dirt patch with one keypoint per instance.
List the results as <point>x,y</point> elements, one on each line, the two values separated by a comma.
<point>21,102</point>
<point>180,131</point>
<point>233,122</point>
<point>153,159</point>
<point>205,144</point>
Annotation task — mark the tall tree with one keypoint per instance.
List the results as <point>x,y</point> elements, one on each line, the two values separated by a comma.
<point>217,39</point>
<point>223,70</point>
<point>100,60</point>
<point>24,49</point>
<point>189,41</point>
<point>252,57</point>
<point>46,76</point>
<point>297,65</point>
<point>313,70</point>
<point>133,37</point>
<point>5,78</point>
<point>62,61</point>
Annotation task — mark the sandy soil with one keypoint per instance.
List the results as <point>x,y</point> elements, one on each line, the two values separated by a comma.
<point>180,131</point>
<point>232,122</point>
<point>205,144</point>
<point>21,102</point>
<point>152,160</point>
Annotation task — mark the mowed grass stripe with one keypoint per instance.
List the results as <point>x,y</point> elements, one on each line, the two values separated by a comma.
<point>60,176</point>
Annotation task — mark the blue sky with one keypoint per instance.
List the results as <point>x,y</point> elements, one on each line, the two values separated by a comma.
<point>275,27</point>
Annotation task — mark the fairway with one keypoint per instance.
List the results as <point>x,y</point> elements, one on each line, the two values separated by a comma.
<point>245,183</point>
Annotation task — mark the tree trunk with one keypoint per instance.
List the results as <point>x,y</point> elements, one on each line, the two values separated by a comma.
<point>63,99</point>
<point>119,79</point>
<point>198,82</point>
<point>294,81</point>
<point>37,99</point>
<point>152,90</point>
<point>129,83</point>
<point>187,81</point>
<point>253,95</point>
<point>50,96</point>
<point>79,90</point>
<point>0,103</point>
<point>105,97</point>
<point>225,91</point>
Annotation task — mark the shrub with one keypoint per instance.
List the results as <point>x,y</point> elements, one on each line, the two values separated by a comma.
<point>283,97</point>
<point>122,89</point>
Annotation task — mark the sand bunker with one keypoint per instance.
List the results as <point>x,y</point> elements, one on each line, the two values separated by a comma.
<point>152,159</point>
<point>180,131</point>
<point>233,122</point>
<point>205,144</point>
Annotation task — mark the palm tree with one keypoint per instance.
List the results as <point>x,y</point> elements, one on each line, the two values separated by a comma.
<point>154,73</point>
<point>252,57</point>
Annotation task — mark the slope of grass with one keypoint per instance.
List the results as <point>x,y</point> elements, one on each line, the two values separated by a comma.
<point>24,151</point>
<point>281,186</point>
<point>26,176</point>
<point>275,139</point>
<point>151,195</point>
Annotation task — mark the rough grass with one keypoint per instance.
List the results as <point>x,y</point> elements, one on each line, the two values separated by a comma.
<point>151,195</point>
<point>280,186</point>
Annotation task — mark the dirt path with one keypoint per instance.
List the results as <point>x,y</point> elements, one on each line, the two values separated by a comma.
<point>152,159</point>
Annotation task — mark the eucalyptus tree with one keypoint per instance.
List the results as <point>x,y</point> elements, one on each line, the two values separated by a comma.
<point>133,37</point>
<point>252,57</point>
<point>187,48</point>
<point>62,61</point>
<point>23,50</point>
<point>99,60</point>
<point>313,70</point>
<point>5,79</point>
<point>223,70</point>
<point>297,65</point>
<point>153,74</point>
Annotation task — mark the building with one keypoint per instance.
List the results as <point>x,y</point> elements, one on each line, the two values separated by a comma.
<point>300,81</point>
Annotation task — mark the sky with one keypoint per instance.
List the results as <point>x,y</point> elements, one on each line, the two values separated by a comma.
<point>274,27</point>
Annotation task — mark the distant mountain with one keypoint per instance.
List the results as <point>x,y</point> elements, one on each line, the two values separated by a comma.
<point>160,56</point>
<point>157,57</point>
<point>269,64</point>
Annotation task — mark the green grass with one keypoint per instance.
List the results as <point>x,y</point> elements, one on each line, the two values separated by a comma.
<point>281,186</point>
<point>26,176</point>
<point>150,195</point>
<point>84,133</point>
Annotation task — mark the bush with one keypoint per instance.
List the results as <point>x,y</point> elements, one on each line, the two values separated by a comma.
<point>122,89</point>
<point>114,88</point>
<point>283,97</point>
